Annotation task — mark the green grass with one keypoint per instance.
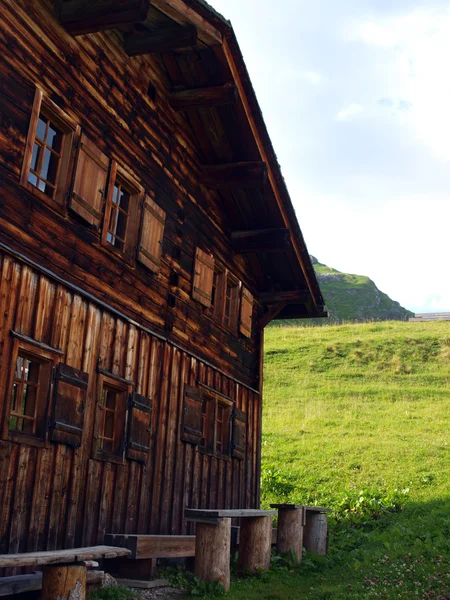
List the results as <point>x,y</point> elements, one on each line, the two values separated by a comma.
<point>357,418</point>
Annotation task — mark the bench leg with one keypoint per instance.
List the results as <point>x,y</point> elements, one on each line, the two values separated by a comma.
<point>315,537</point>
<point>212,552</point>
<point>255,539</point>
<point>65,582</point>
<point>290,532</point>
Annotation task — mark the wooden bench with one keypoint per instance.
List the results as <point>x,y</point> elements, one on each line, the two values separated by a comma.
<point>213,541</point>
<point>299,526</point>
<point>20,584</point>
<point>64,571</point>
<point>140,564</point>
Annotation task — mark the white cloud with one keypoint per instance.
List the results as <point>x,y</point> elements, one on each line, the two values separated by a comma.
<point>413,52</point>
<point>350,112</point>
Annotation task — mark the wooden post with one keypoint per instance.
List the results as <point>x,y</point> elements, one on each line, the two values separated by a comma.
<point>315,535</point>
<point>290,531</point>
<point>212,551</point>
<point>255,538</point>
<point>64,582</point>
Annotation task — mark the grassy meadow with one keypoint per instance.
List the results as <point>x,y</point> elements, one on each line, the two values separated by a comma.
<point>357,418</point>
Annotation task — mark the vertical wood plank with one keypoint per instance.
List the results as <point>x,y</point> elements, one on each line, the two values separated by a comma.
<point>40,501</point>
<point>26,302</point>
<point>179,479</point>
<point>45,310</point>
<point>75,344</point>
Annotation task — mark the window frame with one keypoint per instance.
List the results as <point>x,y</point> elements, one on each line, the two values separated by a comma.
<point>213,399</point>
<point>219,296</point>
<point>136,194</point>
<point>121,386</point>
<point>70,129</point>
<point>43,355</point>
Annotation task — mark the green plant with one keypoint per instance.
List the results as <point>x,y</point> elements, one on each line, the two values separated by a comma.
<point>185,580</point>
<point>113,593</point>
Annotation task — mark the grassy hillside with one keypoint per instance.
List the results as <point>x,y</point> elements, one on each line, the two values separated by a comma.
<point>354,298</point>
<point>357,417</point>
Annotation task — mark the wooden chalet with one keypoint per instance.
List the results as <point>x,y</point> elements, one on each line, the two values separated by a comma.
<point>146,239</point>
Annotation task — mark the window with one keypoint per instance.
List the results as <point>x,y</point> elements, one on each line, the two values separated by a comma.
<point>49,151</point>
<point>122,212</point>
<point>29,391</point>
<point>110,421</point>
<point>224,305</point>
<point>207,420</point>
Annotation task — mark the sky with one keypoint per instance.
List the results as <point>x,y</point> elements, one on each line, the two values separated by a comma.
<point>356,99</point>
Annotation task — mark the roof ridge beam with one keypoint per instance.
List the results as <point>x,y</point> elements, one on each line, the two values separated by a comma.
<point>88,16</point>
<point>260,240</point>
<point>165,39</point>
<point>208,97</point>
<point>251,174</point>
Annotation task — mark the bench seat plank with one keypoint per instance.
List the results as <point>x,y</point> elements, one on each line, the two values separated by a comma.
<point>51,557</point>
<point>19,584</point>
<point>213,516</point>
<point>154,546</point>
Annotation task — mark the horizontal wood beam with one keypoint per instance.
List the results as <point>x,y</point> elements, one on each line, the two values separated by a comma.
<point>294,297</point>
<point>161,40</point>
<point>203,97</point>
<point>260,240</point>
<point>88,16</point>
<point>235,175</point>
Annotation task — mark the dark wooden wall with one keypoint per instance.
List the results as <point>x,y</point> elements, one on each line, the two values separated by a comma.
<point>57,496</point>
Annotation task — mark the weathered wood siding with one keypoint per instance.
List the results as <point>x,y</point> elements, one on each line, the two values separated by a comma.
<point>121,104</point>
<point>57,496</point>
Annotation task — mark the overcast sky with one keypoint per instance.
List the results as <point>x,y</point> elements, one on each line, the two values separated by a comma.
<point>356,98</point>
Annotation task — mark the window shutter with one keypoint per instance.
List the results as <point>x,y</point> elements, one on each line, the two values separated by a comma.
<point>239,435</point>
<point>139,428</point>
<point>89,188</point>
<point>191,423</point>
<point>152,232</point>
<point>68,405</point>
<point>245,321</point>
<point>203,278</point>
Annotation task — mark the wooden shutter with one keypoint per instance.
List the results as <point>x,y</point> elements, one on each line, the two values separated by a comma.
<point>245,321</point>
<point>239,434</point>
<point>191,423</point>
<point>152,232</point>
<point>89,188</point>
<point>203,278</point>
<point>139,428</point>
<point>68,405</point>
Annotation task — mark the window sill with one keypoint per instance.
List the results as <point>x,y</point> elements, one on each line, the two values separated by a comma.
<point>225,457</point>
<point>108,457</point>
<point>26,440</point>
<point>52,203</point>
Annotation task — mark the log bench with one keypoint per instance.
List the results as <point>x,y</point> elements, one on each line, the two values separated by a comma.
<point>213,541</point>
<point>299,526</point>
<point>19,584</point>
<point>64,571</point>
<point>140,564</point>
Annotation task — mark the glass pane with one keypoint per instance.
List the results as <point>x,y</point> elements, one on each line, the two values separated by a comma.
<point>19,367</point>
<point>14,398</point>
<point>109,425</point>
<point>28,400</point>
<point>41,186</point>
<point>52,170</point>
<point>110,238</point>
<point>45,163</point>
<point>124,200</point>
<point>32,371</point>
<point>115,194</point>
<point>34,157</point>
<point>32,179</point>
<point>121,225</point>
<point>41,127</point>
<point>110,399</point>
<point>54,138</point>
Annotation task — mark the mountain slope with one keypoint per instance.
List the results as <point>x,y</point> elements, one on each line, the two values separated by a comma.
<point>355,298</point>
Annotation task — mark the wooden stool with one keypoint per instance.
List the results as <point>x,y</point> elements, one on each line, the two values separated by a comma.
<point>213,541</point>
<point>315,533</point>
<point>290,529</point>
<point>255,543</point>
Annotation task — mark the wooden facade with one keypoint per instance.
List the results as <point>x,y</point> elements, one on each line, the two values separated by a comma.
<point>146,239</point>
